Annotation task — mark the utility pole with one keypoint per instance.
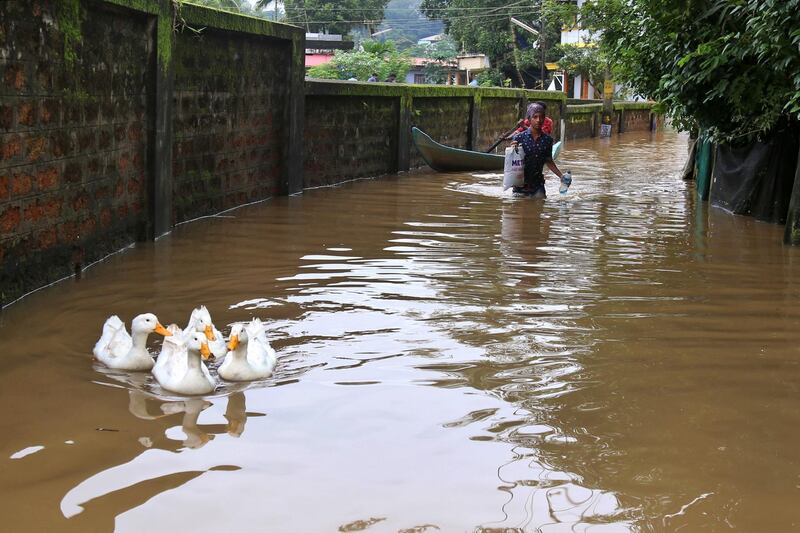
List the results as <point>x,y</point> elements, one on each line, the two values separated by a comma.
<point>542,43</point>
<point>540,40</point>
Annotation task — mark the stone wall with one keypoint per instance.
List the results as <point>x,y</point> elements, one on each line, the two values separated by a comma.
<point>231,92</point>
<point>74,135</point>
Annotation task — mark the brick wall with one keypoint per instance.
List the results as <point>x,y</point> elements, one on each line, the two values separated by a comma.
<point>231,92</point>
<point>113,126</point>
<point>636,120</point>
<point>349,137</point>
<point>74,134</point>
<point>445,119</point>
<point>584,120</point>
<point>497,116</point>
<point>355,130</point>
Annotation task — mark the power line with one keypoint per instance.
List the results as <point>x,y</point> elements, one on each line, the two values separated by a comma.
<point>304,13</point>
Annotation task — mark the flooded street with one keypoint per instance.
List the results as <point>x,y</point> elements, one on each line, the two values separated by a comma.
<point>450,359</point>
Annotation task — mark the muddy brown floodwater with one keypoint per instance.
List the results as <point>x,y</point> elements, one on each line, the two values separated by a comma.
<point>450,359</point>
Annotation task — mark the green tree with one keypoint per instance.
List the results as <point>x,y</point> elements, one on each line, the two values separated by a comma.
<point>731,67</point>
<point>484,26</point>
<point>587,61</point>
<point>236,6</point>
<point>440,55</point>
<point>360,64</point>
<point>332,16</point>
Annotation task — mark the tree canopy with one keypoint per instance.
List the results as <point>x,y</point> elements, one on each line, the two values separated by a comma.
<point>484,26</point>
<point>381,58</point>
<point>333,16</point>
<point>731,67</point>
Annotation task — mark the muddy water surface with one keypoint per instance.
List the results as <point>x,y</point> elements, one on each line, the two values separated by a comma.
<point>450,358</point>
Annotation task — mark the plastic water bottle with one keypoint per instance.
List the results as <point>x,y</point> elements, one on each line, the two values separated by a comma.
<point>566,181</point>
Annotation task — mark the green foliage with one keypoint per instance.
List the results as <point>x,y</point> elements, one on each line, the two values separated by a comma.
<point>728,66</point>
<point>484,26</point>
<point>360,64</point>
<point>333,16</point>
<point>234,6</point>
<point>440,55</point>
<point>379,48</point>
<point>493,78</point>
<point>588,61</point>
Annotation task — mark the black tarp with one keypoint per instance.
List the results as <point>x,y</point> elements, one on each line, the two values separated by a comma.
<point>757,178</point>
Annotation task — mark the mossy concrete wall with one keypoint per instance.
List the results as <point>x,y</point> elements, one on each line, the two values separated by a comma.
<point>120,118</point>
<point>75,134</point>
<point>356,129</point>
<point>348,137</point>
<point>230,93</point>
<point>584,120</point>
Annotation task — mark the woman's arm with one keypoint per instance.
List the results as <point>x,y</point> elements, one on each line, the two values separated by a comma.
<point>552,166</point>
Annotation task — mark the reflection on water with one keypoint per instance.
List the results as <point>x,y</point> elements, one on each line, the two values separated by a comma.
<point>450,359</point>
<point>188,435</point>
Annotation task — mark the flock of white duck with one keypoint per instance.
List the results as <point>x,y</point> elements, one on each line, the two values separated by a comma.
<point>179,366</point>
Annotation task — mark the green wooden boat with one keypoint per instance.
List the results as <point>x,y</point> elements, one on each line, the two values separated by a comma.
<point>448,159</point>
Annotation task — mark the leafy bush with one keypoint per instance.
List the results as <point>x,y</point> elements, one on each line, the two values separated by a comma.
<point>360,64</point>
<point>731,67</point>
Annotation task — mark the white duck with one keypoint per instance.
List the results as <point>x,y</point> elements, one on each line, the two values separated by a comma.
<point>250,356</point>
<point>179,368</point>
<point>165,362</point>
<point>200,320</point>
<point>117,349</point>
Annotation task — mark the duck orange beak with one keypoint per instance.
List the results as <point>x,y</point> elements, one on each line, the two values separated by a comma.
<point>233,343</point>
<point>204,351</point>
<point>162,330</point>
<point>210,333</point>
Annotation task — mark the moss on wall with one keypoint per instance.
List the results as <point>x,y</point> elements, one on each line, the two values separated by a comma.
<point>634,105</point>
<point>584,109</point>
<point>146,6</point>
<point>69,21</point>
<point>164,40</point>
<point>197,15</point>
<point>349,88</point>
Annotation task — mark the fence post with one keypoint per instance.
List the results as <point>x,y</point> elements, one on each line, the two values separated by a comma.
<point>791,234</point>
<point>703,164</point>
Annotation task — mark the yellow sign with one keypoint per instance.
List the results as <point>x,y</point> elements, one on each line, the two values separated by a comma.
<point>608,88</point>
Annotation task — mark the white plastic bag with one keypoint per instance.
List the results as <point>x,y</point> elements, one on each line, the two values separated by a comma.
<point>514,167</point>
